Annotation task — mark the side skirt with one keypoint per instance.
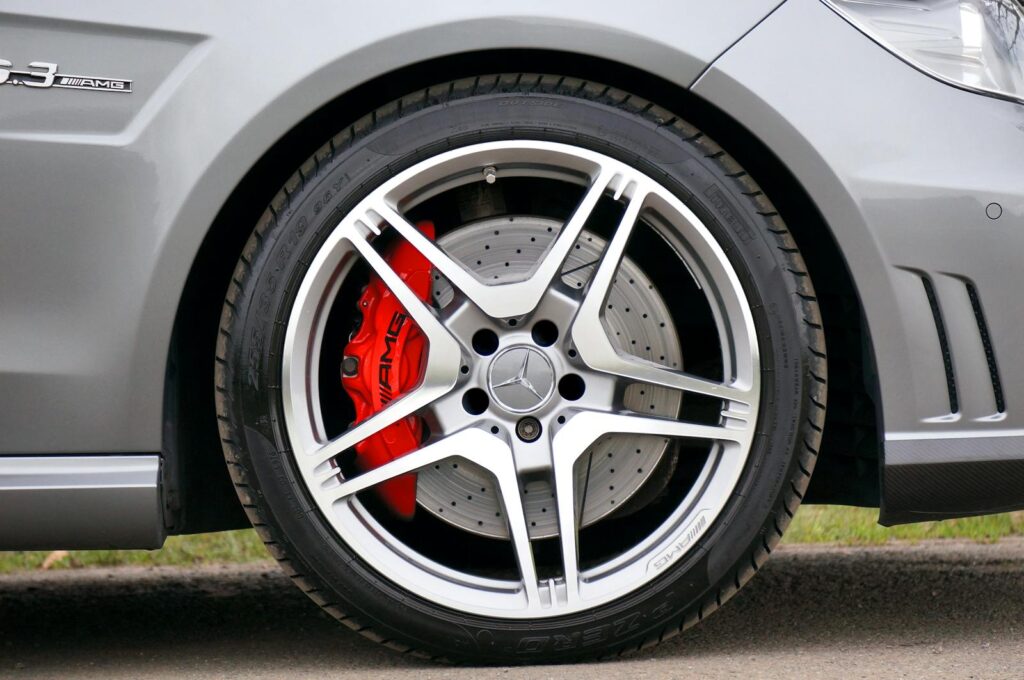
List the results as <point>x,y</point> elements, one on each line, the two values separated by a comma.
<point>931,479</point>
<point>78,502</point>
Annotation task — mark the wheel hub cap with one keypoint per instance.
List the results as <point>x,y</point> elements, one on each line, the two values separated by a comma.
<point>521,379</point>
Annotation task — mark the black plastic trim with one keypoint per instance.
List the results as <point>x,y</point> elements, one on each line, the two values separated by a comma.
<point>947,356</point>
<point>986,341</point>
<point>933,491</point>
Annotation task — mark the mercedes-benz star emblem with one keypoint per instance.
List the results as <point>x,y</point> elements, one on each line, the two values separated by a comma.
<point>521,379</point>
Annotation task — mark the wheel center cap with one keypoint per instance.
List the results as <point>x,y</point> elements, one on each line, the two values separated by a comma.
<point>521,379</point>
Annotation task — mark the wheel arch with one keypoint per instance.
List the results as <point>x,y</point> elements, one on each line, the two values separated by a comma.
<point>198,494</point>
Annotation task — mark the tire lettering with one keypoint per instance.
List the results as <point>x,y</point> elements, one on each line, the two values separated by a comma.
<point>532,645</point>
<point>718,199</point>
<point>626,624</point>
<point>563,642</point>
<point>596,635</point>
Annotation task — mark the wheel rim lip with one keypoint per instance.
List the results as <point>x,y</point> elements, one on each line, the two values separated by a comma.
<point>465,592</point>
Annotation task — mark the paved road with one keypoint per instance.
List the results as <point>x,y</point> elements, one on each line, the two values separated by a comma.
<point>934,610</point>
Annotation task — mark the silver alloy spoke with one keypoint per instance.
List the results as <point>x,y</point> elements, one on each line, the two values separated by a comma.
<point>503,468</point>
<point>640,370</point>
<point>568,525</point>
<point>396,410</point>
<point>584,428</point>
<point>591,338</point>
<point>487,451</point>
<point>579,434</point>
<point>440,371</point>
<point>508,299</point>
<point>449,447</point>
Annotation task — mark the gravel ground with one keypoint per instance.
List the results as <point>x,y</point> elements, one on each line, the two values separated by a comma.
<point>933,610</point>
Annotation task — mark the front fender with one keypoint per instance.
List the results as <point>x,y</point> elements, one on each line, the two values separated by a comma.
<point>116,192</point>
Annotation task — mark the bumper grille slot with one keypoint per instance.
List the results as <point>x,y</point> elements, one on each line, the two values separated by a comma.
<point>947,357</point>
<point>986,341</point>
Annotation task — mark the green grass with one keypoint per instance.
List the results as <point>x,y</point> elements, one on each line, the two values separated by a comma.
<point>813,524</point>
<point>227,546</point>
<point>859,526</point>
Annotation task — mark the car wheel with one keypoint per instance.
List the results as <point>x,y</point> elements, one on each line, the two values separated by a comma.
<point>520,368</point>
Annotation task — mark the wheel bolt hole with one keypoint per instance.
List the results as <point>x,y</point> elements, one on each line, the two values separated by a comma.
<point>475,401</point>
<point>485,342</point>
<point>545,333</point>
<point>465,370</point>
<point>571,387</point>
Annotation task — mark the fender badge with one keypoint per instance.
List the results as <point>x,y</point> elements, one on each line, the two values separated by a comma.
<point>46,76</point>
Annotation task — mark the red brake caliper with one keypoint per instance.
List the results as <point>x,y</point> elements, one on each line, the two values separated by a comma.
<point>389,350</point>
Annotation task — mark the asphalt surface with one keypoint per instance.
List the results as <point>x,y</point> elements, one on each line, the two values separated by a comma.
<point>934,610</point>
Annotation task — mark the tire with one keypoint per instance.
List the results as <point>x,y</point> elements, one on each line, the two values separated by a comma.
<point>755,242</point>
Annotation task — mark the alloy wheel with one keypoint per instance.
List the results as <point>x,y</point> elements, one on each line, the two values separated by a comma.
<point>558,383</point>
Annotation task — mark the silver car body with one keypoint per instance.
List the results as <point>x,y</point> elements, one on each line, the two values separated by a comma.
<point>107,198</point>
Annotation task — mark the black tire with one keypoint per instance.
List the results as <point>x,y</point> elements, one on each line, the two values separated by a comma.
<point>615,123</point>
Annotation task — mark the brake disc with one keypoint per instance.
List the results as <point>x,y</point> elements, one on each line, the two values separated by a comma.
<point>506,249</point>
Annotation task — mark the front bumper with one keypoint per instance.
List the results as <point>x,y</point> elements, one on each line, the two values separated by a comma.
<point>922,186</point>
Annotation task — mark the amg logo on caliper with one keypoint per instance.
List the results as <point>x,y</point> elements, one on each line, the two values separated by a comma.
<point>398,320</point>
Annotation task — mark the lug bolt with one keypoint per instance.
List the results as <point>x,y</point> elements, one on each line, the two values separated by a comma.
<point>490,174</point>
<point>528,429</point>
<point>349,366</point>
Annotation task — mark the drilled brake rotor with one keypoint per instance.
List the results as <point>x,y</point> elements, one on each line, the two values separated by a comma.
<point>506,249</point>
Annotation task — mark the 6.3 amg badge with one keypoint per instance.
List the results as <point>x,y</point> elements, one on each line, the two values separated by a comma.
<point>45,75</point>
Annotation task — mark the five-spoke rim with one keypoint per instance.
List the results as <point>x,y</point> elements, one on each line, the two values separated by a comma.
<point>572,426</point>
